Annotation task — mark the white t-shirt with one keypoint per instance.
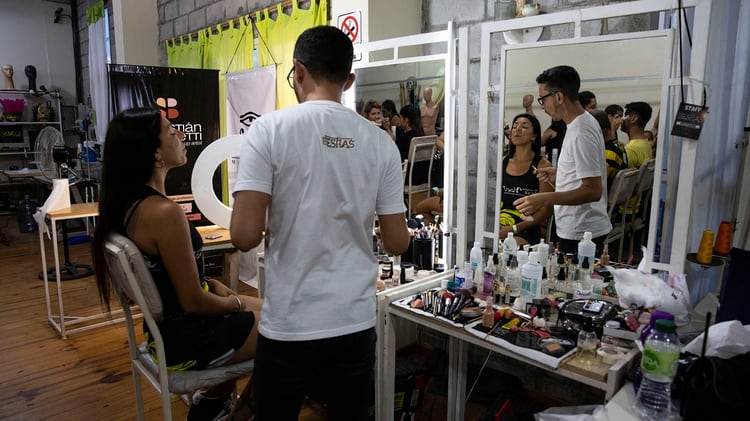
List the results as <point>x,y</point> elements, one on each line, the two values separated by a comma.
<point>582,156</point>
<point>328,171</point>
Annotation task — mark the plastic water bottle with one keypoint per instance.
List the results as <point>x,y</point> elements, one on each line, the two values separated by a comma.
<point>586,248</point>
<point>475,258</point>
<point>543,249</point>
<point>531,278</point>
<point>510,247</point>
<point>513,280</point>
<point>659,367</point>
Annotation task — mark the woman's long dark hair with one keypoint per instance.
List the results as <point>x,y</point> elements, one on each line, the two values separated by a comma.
<point>536,144</point>
<point>128,162</point>
<point>411,113</point>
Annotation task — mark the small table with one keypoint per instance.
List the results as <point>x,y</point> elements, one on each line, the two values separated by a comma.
<point>60,321</point>
<point>78,210</point>
<point>15,175</point>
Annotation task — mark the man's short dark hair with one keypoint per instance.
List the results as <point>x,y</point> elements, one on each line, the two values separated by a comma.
<point>326,52</point>
<point>561,78</point>
<point>613,109</point>
<point>642,110</point>
<point>584,97</point>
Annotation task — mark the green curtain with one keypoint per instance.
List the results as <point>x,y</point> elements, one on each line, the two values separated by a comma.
<point>95,12</point>
<point>187,54</point>
<point>277,38</point>
<point>229,50</point>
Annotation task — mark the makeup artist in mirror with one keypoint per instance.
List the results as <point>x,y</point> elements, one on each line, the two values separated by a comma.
<point>580,195</point>
<point>320,172</point>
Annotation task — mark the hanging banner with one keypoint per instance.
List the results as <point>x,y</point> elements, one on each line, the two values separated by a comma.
<point>250,94</point>
<point>189,98</point>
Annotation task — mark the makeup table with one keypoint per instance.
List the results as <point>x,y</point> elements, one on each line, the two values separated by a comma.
<point>68,324</point>
<point>394,319</point>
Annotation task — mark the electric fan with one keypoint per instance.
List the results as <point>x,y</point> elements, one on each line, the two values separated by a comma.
<point>52,156</point>
<point>54,161</point>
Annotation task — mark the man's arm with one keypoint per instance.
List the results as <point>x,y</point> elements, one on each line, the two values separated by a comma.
<point>590,190</point>
<point>394,233</point>
<point>248,218</point>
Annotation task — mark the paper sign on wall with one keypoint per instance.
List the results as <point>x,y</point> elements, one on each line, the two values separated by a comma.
<point>351,24</point>
<point>689,120</point>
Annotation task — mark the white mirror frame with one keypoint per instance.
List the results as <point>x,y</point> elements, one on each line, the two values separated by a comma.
<point>681,150</point>
<point>409,44</point>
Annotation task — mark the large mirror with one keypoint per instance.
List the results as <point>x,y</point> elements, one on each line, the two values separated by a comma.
<point>617,70</point>
<point>408,70</point>
<point>404,84</point>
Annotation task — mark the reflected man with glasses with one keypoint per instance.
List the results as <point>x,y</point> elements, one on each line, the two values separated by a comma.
<point>580,195</point>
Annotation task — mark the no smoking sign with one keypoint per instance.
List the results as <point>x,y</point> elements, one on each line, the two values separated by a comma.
<point>351,24</point>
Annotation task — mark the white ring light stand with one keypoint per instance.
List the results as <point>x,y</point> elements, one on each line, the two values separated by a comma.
<point>203,189</point>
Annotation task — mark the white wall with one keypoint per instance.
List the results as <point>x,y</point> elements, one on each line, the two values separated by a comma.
<point>136,31</point>
<point>29,37</point>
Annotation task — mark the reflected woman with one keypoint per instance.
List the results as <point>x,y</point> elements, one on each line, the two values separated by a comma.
<point>519,181</point>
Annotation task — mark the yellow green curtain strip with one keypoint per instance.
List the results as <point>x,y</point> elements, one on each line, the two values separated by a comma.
<point>95,12</point>
<point>278,38</point>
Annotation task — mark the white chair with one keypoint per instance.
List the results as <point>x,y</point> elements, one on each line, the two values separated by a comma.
<point>133,284</point>
<point>421,149</point>
<point>621,191</point>
<point>642,198</point>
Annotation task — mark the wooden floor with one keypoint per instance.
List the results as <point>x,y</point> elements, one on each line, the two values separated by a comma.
<point>84,377</point>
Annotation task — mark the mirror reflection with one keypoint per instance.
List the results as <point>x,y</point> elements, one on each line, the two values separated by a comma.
<point>614,73</point>
<point>419,83</point>
<point>407,101</point>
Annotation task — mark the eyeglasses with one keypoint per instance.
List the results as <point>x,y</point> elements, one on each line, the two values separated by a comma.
<point>541,99</point>
<point>290,75</point>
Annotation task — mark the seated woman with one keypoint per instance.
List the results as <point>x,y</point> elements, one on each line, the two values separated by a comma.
<point>391,119</point>
<point>519,181</point>
<point>205,323</point>
<point>371,111</point>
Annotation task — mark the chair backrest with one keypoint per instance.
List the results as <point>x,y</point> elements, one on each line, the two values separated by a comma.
<point>622,188</point>
<point>404,166</point>
<point>645,176</point>
<point>130,276</point>
<point>422,148</point>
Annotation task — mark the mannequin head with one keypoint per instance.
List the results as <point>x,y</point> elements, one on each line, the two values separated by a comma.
<point>527,100</point>
<point>8,74</point>
<point>31,74</point>
<point>427,94</point>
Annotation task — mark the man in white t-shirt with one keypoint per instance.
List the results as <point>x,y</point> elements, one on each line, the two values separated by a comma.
<point>321,172</point>
<point>580,195</point>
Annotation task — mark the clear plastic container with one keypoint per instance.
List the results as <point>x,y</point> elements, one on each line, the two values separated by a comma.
<point>586,248</point>
<point>531,278</point>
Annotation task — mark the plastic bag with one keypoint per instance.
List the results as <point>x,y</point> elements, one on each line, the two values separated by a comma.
<point>650,291</point>
<point>568,413</point>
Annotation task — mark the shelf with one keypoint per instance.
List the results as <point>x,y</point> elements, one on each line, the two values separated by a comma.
<point>29,123</point>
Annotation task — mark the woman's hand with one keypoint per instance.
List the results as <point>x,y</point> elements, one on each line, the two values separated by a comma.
<point>546,175</point>
<point>217,287</point>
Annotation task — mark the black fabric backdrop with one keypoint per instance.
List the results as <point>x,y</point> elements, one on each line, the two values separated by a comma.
<point>189,98</point>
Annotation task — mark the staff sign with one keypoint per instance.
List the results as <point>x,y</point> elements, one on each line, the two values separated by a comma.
<point>351,24</point>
